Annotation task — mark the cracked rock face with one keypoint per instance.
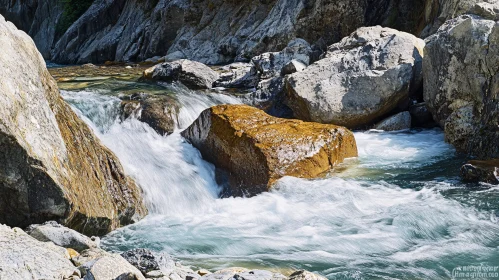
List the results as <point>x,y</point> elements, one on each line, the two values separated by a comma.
<point>360,79</point>
<point>461,83</point>
<point>256,149</point>
<point>52,167</point>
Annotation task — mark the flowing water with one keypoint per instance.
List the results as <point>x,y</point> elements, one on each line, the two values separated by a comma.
<point>398,211</point>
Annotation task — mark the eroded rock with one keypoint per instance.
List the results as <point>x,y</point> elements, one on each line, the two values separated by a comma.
<point>359,80</point>
<point>237,75</point>
<point>256,149</point>
<point>111,266</point>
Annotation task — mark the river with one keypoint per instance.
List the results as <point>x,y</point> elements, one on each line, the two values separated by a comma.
<point>397,211</point>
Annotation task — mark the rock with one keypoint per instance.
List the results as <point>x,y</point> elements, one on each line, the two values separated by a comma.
<point>143,259</point>
<point>481,171</point>
<point>111,266</point>
<point>359,80</point>
<point>305,275</point>
<point>269,97</point>
<point>256,149</point>
<point>61,236</point>
<point>49,158</point>
<point>461,84</point>
<point>421,116</point>
<point>154,274</point>
<point>237,75</point>
<point>192,74</point>
<point>160,112</point>
<point>271,64</point>
<point>243,274</point>
<point>23,257</point>
<point>203,272</point>
<point>396,122</point>
<point>292,67</point>
<point>72,253</point>
<point>52,166</point>
<point>88,255</point>
<point>488,10</point>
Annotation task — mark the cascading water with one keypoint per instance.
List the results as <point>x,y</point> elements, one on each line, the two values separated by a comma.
<point>398,211</point>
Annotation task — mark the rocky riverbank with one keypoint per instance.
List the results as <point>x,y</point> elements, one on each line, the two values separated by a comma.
<point>52,251</point>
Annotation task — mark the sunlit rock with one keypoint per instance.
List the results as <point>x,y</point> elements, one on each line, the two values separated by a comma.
<point>359,80</point>
<point>256,149</point>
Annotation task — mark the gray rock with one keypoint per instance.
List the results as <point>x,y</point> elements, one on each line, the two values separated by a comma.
<point>461,84</point>
<point>481,171</point>
<point>143,259</point>
<point>292,67</point>
<point>305,275</point>
<point>488,10</point>
<point>23,257</point>
<point>111,266</point>
<point>237,75</point>
<point>191,73</point>
<point>49,158</point>
<point>360,79</point>
<point>88,255</point>
<point>269,96</point>
<point>243,274</point>
<point>396,122</point>
<point>61,236</point>
<point>271,64</point>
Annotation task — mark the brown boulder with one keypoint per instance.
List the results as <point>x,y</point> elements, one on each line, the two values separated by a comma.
<point>481,171</point>
<point>256,149</point>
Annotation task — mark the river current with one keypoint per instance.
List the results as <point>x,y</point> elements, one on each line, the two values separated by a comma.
<point>398,211</point>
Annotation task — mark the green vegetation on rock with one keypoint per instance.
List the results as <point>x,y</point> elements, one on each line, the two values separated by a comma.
<point>73,9</point>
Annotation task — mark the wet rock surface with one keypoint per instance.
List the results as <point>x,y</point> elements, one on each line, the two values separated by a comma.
<point>481,171</point>
<point>256,149</point>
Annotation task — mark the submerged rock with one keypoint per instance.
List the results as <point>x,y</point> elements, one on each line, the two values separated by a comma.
<point>396,122</point>
<point>61,236</point>
<point>256,149</point>
<point>191,73</point>
<point>52,167</point>
<point>359,80</point>
<point>481,171</point>
<point>23,257</point>
<point>160,112</point>
<point>461,84</point>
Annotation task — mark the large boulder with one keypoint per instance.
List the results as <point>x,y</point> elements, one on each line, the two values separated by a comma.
<point>360,79</point>
<point>23,257</point>
<point>52,167</point>
<point>61,236</point>
<point>237,75</point>
<point>191,73</point>
<point>256,149</point>
<point>461,83</point>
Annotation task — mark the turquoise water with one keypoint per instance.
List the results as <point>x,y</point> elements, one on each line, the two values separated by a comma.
<point>399,211</point>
